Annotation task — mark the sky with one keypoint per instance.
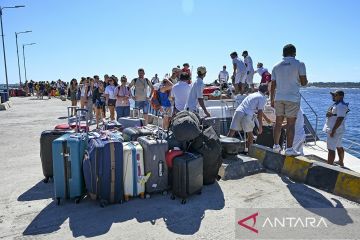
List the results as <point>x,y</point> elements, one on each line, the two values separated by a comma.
<point>88,37</point>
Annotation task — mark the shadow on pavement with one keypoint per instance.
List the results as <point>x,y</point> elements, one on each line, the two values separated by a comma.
<point>89,220</point>
<point>39,191</point>
<point>315,202</point>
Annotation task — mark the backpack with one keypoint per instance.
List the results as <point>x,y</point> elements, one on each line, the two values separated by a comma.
<point>135,79</point>
<point>155,100</point>
<point>266,77</point>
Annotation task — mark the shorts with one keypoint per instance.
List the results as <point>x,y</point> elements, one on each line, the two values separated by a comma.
<point>334,142</point>
<point>242,121</point>
<point>144,105</point>
<point>287,108</point>
<point>166,111</point>
<point>240,77</point>
<point>250,78</point>
<point>111,102</point>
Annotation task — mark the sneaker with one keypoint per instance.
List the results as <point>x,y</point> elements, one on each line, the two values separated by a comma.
<point>277,148</point>
<point>291,152</point>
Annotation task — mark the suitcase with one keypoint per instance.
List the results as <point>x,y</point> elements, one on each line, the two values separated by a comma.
<point>133,175</point>
<point>68,154</point>
<point>133,121</point>
<point>232,146</point>
<point>169,157</point>
<point>155,164</point>
<point>133,133</point>
<point>103,170</point>
<point>187,176</point>
<point>46,139</point>
<point>266,138</point>
<point>109,125</point>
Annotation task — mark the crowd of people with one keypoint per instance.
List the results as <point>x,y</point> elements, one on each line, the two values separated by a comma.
<point>179,91</point>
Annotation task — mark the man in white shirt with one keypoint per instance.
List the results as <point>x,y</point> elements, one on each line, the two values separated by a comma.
<point>239,73</point>
<point>155,80</point>
<point>249,69</point>
<point>299,137</point>
<point>287,77</point>
<point>243,118</point>
<point>335,126</point>
<point>223,77</point>
<point>180,92</point>
<point>196,98</point>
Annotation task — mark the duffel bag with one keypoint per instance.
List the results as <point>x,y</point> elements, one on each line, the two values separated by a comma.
<point>185,126</point>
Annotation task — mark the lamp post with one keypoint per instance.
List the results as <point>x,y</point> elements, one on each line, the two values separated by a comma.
<point>3,43</point>
<point>28,44</point>
<point>17,52</point>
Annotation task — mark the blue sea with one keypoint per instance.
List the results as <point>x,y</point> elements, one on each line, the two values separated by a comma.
<point>320,100</point>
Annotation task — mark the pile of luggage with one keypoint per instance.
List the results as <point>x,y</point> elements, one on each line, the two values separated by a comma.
<point>126,159</point>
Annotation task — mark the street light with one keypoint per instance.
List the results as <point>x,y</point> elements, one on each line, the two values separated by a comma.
<point>17,52</point>
<point>3,42</point>
<point>28,44</point>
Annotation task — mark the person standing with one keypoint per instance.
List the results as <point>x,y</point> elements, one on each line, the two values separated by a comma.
<point>111,97</point>
<point>249,70</point>
<point>155,79</point>
<point>335,126</point>
<point>223,78</point>
<point>89,90</point>
<point>196,97</point>
<point>73,94</point>
<point>164,94</point>
<point>99,99</point>
<point>122,93</point>
<point>239,73</point>
<point>175,74</point>
<point>287,77</point>
<point>141,85</point>
<point>243,119</point>
<point>180,93</point>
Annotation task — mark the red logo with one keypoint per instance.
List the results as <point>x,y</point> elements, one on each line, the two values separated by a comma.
<point>251,228</point>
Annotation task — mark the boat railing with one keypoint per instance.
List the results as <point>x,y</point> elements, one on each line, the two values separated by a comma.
<point>350,144</point>
<point>314,134</point>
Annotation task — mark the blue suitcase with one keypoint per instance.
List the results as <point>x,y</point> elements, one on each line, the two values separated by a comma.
<point>103,170</point>
<point>68,155</point>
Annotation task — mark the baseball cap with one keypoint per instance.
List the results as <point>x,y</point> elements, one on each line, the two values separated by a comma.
<point>201,69</point>
<point>338,92</point>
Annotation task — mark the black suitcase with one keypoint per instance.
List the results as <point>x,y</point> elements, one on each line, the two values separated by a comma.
<point>187,176</point>
<point>133,133</point>
<point>46,139</point>
<point>266,138</point>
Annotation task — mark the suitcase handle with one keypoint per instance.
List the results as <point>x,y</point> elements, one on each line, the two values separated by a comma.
<point>68,111</point>
<point>78,119</point>
<point>138,112</point>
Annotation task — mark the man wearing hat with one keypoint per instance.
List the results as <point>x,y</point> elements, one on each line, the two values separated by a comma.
<point>244,119</point>
<point>335,126</point>
<point>196,93</point>
<point>175,73</point>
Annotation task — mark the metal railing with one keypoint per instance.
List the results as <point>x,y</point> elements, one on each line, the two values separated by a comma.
<point>351,144</point>
<point>316,118</point>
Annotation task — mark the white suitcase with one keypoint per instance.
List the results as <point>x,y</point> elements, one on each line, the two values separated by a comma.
<point>134,179</point>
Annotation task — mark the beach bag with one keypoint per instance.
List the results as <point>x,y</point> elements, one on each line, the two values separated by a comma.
<point>155,100</point>
<point>185,126</point>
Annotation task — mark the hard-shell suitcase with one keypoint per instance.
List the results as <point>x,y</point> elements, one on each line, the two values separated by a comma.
<point>155,164</point>
<point>169,157</point>
<point>46,139</point>
<point>134,179</point>
<point>134,121</point>
<point>103,170</point>
<point>68,154</point>
<point>133,133</point>
<point>187,175</point>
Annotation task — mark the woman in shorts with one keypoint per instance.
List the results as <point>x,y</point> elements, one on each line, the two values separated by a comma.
<point>165,110</point>
<point>72,93</point>
<point>99,99</point>
<point>122,93</point>
<point>110,97</point>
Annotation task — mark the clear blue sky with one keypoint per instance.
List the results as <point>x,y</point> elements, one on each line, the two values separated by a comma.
<point>87,37</point>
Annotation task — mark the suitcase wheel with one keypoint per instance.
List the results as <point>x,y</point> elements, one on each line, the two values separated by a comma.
<point>148,196</point>
<point>58,201</point>
<point>46,180</point>
<point>172,197</point>
<point>77,200</point>
<point>183,201</point>
<point>142,195</point>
